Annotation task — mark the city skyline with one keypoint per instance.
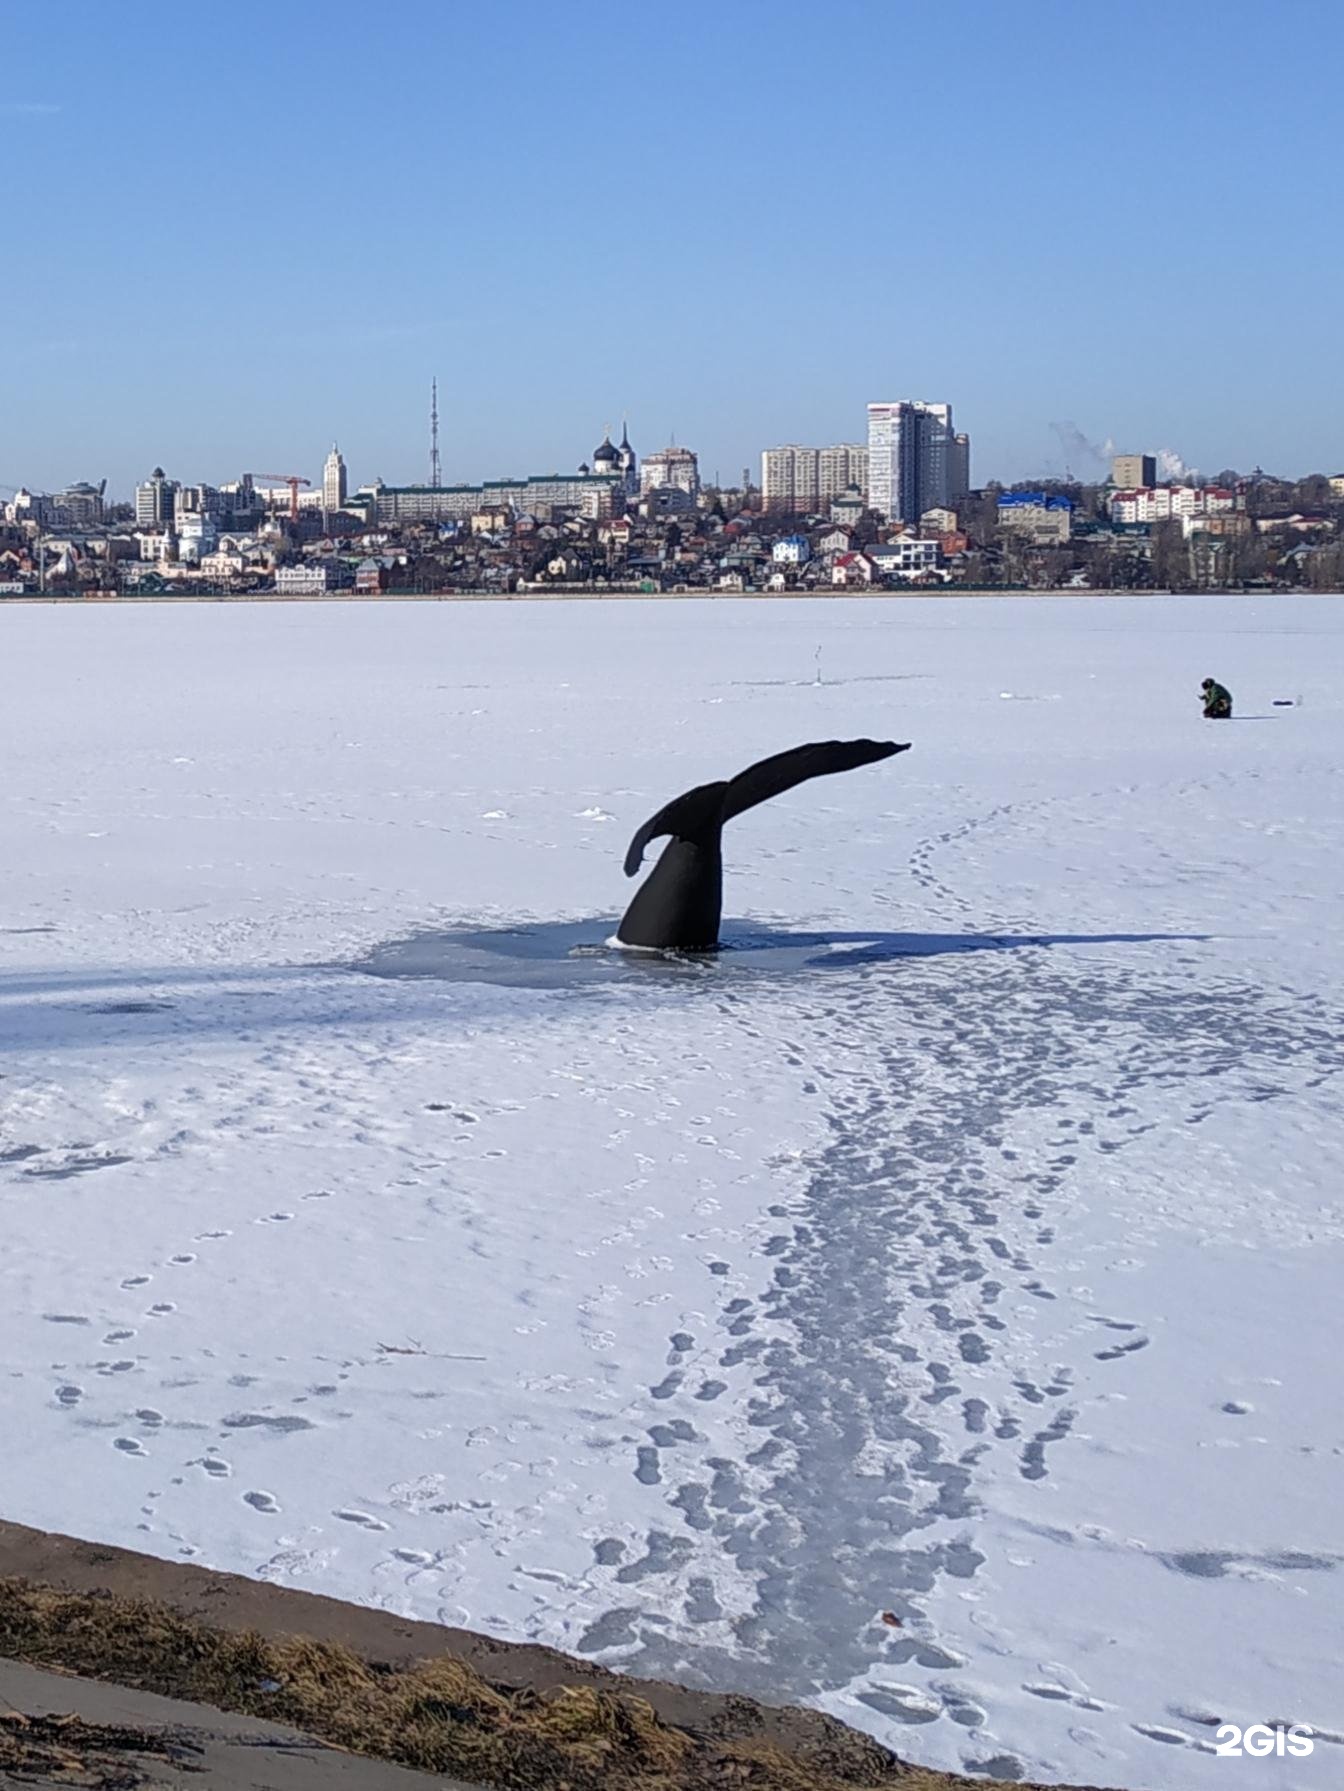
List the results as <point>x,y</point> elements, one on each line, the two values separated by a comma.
<point>566,226</point>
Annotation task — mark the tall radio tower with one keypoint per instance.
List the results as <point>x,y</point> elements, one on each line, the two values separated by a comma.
<point>435,471</point>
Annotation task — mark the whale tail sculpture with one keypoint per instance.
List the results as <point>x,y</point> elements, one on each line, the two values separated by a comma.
<point>679,906</point>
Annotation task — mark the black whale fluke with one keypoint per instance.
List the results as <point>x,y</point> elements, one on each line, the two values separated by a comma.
<point>679,906</point>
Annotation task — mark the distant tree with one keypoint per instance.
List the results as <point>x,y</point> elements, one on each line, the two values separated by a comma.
<point>1312,493</point>
<point>1171,558</point>
<point>1325,568</point>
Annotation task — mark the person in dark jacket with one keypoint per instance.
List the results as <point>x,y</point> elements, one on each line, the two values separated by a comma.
<point>1217,701</point>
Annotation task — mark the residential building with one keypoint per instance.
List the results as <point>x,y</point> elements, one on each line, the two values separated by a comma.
<point>197,500</point>
<point>1035,516</point>
<point>959,469</point>
<point>852,569</point>
<point>224,562</point>
<point>80,506</point>
<point>1172,503</point>
<point>371,578</point>
<point>1337,485</point>
<point>666,500</point>
<point>791,550</point>
<point>589,494</point>
<point>839,467</point>
<point>157,545</point>
<point>937,521</point>
<point>240,504</point>
<point>789,480</point>
<point>1228,522</point>
<point>909,556</point>
<point>31,507</point>
<point>672,467</point>
<point>849,506</point>
<point>915,460</point>
<point>154,501</point>
<point>197,535</point>
<point>796,481</point>
<point>312,578</point>
<point>1131,470</point>
<point>333,481</point>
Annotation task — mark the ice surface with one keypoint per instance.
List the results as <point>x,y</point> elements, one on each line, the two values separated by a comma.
<point>961,1243</point>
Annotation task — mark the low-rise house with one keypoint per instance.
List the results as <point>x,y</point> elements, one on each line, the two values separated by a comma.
<point>791,550</point>
<point>852,569</point>
<point>225,562</point>
<point>1296,524</point>
<point>908,556</point>
<point>371,577</point>
<point>313,578</point>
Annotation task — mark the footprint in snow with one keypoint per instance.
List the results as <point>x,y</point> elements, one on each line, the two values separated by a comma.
<point>362,1518</point>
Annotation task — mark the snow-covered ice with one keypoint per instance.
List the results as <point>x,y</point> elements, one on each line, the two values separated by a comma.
<point>964,1244</point>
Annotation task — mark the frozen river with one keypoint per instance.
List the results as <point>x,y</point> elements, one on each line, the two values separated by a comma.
<point>961,1247</point>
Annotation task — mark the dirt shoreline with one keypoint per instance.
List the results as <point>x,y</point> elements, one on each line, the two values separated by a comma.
<point>499,1712</point>
<point>578,594</point>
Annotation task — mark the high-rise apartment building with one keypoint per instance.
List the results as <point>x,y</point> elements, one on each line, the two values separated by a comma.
<point>154,501</point>
<point>1132,472</point>
<point>915,460</point>
<point>789,480</point>
<point>960,463</point>
<point>333,480</point>
<point>81,506</point>
<point>839,467</point>
<point>797,480</point>
<point>675,467</point>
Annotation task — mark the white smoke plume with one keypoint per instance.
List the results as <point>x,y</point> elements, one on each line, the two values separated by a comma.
<point>1172,470</point>
<point>1082,456</point>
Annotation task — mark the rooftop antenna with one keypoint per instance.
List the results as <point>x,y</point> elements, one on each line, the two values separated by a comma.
<point>435,470</point>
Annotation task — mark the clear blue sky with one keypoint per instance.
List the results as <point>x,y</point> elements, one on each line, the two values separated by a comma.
<point>234,234</point>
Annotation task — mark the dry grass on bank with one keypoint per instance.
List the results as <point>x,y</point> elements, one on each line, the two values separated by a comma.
<point>438,1715</point>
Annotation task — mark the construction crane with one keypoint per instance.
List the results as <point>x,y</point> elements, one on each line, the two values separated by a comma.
<point>293,480</point>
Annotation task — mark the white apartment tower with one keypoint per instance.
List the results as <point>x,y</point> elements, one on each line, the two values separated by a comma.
<point>915,460</point>
<point>333,481</point>
<point>154,498</point>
